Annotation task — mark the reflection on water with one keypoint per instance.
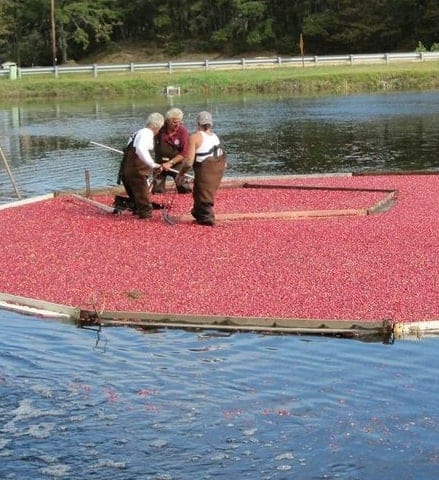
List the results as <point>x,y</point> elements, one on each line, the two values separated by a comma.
<point>31,148</point>
<point>48,145</point>
<point>339,134</point>
<point>184,405</point>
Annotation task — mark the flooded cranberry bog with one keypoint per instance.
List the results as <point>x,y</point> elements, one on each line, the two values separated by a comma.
<point>347,255</point>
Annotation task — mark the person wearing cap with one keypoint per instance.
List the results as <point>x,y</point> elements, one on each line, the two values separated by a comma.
<point>209,160</point>
<point>171,148</point>
<point>138,164</point>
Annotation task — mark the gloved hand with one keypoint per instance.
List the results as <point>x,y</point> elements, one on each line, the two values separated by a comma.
<point>179,179</point>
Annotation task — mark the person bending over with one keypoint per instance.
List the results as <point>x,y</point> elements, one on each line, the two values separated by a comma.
<point>138,164</point>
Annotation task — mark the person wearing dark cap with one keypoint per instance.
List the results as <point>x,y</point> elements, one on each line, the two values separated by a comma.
<point>209,160</point>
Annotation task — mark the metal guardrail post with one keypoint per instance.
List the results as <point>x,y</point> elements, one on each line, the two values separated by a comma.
<point>206,64</point>
<point>131,67</point>
<point>170,67</point>
<point>95,71</point>
<point>243,63</point>
<point>13,72</point>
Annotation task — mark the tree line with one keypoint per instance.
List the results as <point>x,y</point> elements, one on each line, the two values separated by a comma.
<point>42,32</point>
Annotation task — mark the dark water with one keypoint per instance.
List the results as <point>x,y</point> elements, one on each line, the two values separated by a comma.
<point>184,405</point>
<point>127,404</point>
<point>47,145</point>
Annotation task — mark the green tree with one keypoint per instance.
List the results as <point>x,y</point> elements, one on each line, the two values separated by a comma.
<point>227,26</point>
<point>137,20</point>
<point>287,17</point>
<point>335,26</point>
<point>426,28</point>
<point>239,25</point>
<point>31,27</point>
<point>82,25</point>
<point>7,31</point>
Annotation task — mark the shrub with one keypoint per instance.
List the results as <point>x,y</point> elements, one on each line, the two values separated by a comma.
<point>420,48</point>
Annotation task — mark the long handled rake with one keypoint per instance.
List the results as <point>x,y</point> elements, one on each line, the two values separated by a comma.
<point>120,151</point>
<point>165,208</point>
<point>10,173</point>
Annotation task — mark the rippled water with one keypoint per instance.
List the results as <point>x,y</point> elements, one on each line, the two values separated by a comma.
<point>129,404</point>
<point>182,405</point>
<point>48,144</point>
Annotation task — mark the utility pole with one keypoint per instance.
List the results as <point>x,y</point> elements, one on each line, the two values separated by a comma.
<point>52,21</point>
<point>301,45</point>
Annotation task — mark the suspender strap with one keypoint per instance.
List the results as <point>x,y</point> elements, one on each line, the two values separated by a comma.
<point>213,150</point>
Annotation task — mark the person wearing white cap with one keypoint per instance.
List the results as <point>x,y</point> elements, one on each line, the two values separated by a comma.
<point>209,160</point>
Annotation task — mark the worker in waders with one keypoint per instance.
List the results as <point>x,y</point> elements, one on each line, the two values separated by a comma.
<point>138,164</point>
<point>208,158</point>
<point>171,148</point>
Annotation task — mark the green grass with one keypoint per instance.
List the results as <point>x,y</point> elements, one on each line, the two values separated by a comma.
<point>276,80</point>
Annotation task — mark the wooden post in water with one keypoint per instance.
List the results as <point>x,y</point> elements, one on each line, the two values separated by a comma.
<point>87,183</point>
<point>10,173</point>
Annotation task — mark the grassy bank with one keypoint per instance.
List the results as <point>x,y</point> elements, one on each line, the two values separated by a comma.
<point>282,80</point>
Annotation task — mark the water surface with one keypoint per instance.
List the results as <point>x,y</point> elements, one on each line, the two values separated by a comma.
<point>181,405</point>
<point>48,144</point>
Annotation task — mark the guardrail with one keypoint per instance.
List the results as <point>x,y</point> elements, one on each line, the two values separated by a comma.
<point>242,63</point>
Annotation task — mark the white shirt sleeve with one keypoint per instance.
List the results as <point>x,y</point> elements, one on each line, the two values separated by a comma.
<point>144,144</point>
